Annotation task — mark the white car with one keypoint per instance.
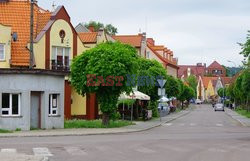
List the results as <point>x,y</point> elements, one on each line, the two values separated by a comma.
<point>198,101</point>
<point>219,107</point>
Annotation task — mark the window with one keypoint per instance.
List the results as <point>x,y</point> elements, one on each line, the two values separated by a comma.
<point>60,58</point>
<point>53,104</point>
<point>2,52</point>
<point>10,104</point>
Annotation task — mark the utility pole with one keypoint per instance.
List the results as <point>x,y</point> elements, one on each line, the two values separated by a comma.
<point>31,33</point>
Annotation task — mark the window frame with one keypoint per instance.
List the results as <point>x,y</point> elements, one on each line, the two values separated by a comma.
<point>4,55</point>
<point>51,108</point>
<point>10,108</point>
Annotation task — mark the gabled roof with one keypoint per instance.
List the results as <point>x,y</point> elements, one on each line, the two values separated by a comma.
<point>206,81</point>
<point>133,40</point>
<point>215,64</point>
<point>16,14</point>
<point>88,37</point>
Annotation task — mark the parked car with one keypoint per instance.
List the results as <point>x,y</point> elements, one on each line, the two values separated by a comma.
<point>219,107</point>
<point>198,101</point>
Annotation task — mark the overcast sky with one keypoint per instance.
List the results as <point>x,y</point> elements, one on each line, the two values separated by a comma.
<point>196,30</point>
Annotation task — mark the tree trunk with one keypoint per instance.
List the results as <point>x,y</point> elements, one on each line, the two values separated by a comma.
<point>182,105</point>
<point>105,119</point>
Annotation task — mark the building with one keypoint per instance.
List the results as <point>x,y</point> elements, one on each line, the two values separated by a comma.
<point>146,48</point>
<point>208,86</point>
<point>186,70</point>
<point>215,69</point>
<point>56,43</point>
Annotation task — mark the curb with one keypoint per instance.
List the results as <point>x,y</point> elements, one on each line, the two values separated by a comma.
<point>104,133</point>
<point>241,122</point>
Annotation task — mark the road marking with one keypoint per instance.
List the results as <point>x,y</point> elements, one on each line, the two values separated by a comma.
<point>145,150</point>
<point>168,124</point>
<point>219,125</point>
<point>42,151</point>
<point>75,151</point>
<point>8,150</point>
<point>192,124</point>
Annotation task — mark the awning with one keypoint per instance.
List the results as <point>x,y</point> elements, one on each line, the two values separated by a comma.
<point>134,95</point>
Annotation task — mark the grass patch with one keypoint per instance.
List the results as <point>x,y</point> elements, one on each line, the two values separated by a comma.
<point>70,124</point>
<point>5,131</point>
<point>243,112</point>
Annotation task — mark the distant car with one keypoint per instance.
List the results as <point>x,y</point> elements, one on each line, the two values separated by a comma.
<point>198,101</point>
<point>219,107</point>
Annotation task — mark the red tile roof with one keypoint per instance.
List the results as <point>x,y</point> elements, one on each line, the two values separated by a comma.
<point>88,37</point>
<point>133,40</point>
<point>16,14</point>
<point>207,79</point>
<point>195,70</point>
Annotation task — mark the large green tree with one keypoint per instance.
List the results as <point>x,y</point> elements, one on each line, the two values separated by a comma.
<point>172,87</point>
<point>109,28</point>
<point>103,70</point>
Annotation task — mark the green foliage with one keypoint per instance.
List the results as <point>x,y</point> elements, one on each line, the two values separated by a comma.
<point>192,81</point>
<point>153,105</point>
<point>128,102</point>
<point>5,131</point>
<point>151,69</point>
<point>181,95</point>
<point>172,87</point>
<point>105,60</point>
<point>222,92</point>
<point>109,28</point>
<point>246,49</point>
<point>74,124</point>
<point>243,112</point>
<point>186,93</point>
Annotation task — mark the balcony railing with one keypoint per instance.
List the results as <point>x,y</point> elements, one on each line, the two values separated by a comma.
<point>60,65</point>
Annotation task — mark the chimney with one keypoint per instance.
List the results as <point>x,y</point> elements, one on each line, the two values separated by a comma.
<point>151,41</point>
<point>199,64</point>
<point>144,39</point>
<point>205,65</point>
<point>91,28</point>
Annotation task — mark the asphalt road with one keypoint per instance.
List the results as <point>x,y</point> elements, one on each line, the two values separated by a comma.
<point>202,135</point>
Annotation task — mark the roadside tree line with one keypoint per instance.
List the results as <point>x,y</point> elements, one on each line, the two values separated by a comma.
<point>114,60</point>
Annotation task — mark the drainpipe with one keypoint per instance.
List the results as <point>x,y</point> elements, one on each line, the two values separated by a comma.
<point>31,33</point>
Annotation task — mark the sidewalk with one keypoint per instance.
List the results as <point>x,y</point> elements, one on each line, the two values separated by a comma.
<point>242,119</point>
<point>139,126</point>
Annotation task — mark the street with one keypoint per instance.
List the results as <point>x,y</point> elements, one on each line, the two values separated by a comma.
<point>202,135</point>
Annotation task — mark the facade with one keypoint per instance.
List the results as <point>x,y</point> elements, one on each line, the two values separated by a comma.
<point>186,70</point>
<point>56,43</point>
<point>31,99</point>
<point>146,48</point>
<point>215,69</point>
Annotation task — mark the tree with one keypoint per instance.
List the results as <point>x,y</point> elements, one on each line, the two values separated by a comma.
<point>246,50</point>
<point>245,85</point>
<point>109,28</point>
<point>103,70</point>
<point>153,70</point>
<point>192,81</point>
<point>172,87</point>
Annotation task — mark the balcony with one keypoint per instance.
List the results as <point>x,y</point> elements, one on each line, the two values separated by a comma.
<point>60,64</point>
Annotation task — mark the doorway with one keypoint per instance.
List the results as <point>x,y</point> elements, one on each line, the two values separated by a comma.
<point>35,110</point>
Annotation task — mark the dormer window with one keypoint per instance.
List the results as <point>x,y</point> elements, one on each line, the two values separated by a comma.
<point>2,52</point>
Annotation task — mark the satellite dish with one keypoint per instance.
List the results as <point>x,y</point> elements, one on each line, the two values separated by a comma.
<point>14,36</point>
